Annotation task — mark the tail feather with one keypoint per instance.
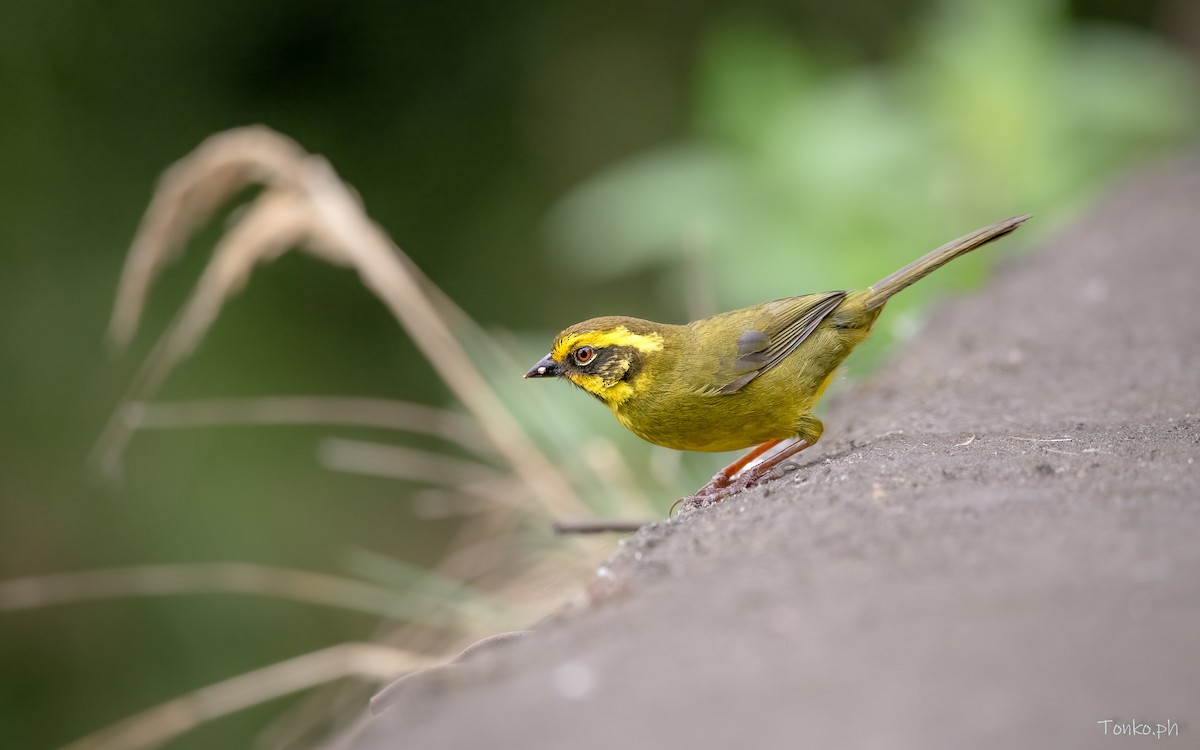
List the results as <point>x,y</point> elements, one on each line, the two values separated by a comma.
<point>879,293</point>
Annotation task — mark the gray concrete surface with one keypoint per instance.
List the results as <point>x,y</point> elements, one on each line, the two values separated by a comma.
<point>996,545</point>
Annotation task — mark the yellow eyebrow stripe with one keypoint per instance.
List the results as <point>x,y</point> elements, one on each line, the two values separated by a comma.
<point>621,336</point>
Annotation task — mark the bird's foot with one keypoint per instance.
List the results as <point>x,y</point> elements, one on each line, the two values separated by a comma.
<point>720,488</point>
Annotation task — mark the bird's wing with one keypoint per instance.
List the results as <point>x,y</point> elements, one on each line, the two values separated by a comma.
<point>781,328</point>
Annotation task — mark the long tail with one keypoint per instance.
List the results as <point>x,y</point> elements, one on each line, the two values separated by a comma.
<point>879,293</point>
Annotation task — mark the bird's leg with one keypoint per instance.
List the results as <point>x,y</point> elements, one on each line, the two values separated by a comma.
<point>756,474</point>
<point>721,478</point>
<point>723,485</point>
<point>718,488</point>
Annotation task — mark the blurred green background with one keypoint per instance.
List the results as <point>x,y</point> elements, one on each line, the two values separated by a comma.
<point>543,163</point>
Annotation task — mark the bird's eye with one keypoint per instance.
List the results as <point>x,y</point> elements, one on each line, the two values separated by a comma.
<point>583,355</point>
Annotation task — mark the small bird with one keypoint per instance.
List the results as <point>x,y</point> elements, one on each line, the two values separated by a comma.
<point>749,377</point>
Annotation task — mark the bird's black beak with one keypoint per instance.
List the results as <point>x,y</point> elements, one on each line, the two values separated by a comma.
<point>545,368</point>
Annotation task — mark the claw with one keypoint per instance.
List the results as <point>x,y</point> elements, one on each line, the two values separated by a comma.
<point>722,486</point>
<point>713,493</point>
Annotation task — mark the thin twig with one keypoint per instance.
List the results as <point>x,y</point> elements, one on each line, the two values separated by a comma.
<point>599,526</point>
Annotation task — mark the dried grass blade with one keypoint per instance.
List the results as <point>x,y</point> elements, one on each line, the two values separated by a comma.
<point>215,578</point>
<point>187,197</point>
<point>399,462</point>
<point>269,227</point>
<point>168,720</point>
<point>345,411</point>
<point>375,257</point>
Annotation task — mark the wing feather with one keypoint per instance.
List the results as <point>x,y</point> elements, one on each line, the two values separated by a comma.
<point>787,323</point>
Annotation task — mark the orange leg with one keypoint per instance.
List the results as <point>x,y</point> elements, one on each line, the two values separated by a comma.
<point>757,473</point>
<point>723,483</point>
<point>722,477</point>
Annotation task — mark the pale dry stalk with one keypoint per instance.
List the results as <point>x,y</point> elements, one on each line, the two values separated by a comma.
<point>303,205</point>
<point>157,725</point>
<point>237,578</point>
<point>342,411</point>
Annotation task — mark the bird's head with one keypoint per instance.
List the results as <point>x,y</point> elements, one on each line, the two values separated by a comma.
<point>603,356</point>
